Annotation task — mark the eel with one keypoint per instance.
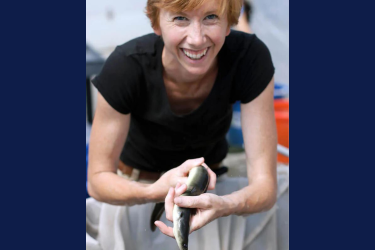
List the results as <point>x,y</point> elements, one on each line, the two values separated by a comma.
<point>197,184</point>
<point>156,214</point>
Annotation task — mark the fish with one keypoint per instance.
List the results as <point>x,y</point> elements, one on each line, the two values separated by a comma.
<point>197,184</point>
<point>159,207</point>
<point>156,214</point>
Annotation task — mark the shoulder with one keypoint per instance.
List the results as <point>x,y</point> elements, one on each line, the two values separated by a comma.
<point>241,48</point>
<point>141,45</point>
<point>130,55</point>
<point>252,64</point>
<point>238,41</point>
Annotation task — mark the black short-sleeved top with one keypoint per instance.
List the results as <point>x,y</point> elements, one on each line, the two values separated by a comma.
<point>131,81</point>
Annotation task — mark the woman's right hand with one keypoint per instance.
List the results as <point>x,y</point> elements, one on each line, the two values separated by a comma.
<point>178,175</point>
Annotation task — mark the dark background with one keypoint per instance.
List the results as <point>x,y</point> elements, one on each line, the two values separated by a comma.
<point>332,138</point>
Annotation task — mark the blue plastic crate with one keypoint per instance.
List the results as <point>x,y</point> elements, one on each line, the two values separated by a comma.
<point>87,161</point>
<point>234,135</point>
<point>281,91</point>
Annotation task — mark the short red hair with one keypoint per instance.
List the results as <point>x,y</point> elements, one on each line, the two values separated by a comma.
<point>232,7</point>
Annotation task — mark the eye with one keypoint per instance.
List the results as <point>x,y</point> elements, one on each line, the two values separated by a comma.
<point>180,18</point>
<point>211,17</point>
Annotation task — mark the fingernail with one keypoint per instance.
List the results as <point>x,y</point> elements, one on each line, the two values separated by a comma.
<point>199,159</point>
<point>180,188</point>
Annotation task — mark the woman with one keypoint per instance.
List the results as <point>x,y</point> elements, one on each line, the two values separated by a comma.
<point>165,98</point>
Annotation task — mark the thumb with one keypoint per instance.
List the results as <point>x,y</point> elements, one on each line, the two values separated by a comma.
<point>189,164</point>
<point>191,201</point>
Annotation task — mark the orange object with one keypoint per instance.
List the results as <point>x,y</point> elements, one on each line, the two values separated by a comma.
<point>282,125</point>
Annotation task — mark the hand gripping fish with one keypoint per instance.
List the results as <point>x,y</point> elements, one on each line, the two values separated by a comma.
<point>197,184</point>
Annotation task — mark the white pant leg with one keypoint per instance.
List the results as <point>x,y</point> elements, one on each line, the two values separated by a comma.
<point>123,228</point>
<point>93,209</point>
<point>283,208</point>
<point>111,227</point>
<point>253,232</point>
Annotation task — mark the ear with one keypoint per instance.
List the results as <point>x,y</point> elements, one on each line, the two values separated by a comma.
<point>228,31</point>
<point>157,30</point>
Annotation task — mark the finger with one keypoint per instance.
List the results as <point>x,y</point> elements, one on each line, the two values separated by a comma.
<point>200,201</point>
<point>212,183</point>
<point>201,219</point>
<point>197,222</point>
<point>177,186</point>
<point>164,228</point>
<point>182,179</point>
<point>194,225</point>
<point>189,164</point>
<point>169,204</point>
<point>180,190</point>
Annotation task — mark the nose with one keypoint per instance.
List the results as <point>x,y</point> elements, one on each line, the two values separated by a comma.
<point>196,35</point>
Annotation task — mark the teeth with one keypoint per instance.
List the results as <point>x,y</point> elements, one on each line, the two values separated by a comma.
<point>197,56</point>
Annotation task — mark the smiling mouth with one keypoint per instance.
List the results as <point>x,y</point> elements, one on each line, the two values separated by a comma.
<point>195,55</point>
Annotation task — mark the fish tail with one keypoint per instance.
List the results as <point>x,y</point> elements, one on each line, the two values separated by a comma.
<point>156,214</point>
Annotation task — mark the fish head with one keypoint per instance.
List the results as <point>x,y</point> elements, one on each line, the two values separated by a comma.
<point>181,227</point>
<point>182,245</point>
<point>197,182</point>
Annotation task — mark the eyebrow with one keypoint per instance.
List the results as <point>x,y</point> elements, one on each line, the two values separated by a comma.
<point>211,12</point>
<point>206,13</point>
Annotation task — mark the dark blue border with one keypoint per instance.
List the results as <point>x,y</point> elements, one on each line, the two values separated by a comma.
<point>331,125</point>
<point>42,109</point>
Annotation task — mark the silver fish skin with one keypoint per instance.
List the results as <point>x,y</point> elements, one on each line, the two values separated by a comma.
<point>197,184</point>
<point>181,226</point>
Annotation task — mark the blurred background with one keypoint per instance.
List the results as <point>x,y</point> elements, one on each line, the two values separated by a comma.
<point>113,22</point>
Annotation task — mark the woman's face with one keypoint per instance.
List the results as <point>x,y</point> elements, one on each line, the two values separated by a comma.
<point>193,39</point>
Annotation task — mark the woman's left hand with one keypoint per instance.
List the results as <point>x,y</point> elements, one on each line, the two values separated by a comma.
<point>208,208</point>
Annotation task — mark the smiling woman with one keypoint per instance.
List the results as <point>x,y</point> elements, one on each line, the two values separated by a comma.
<point>192,40</point>
<point>165,98</point>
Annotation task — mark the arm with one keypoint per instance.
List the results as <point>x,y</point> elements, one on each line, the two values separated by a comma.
<point>108,135</point>
<point>260,138</point>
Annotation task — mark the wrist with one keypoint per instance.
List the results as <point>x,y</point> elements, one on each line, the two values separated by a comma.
<point>251,199</point>
<point>112,189</point>
<point>142,192</point>
<point>230,206</point>
<point>153,194</point>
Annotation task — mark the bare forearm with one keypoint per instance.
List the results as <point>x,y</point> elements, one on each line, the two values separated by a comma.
<point>113,189</point>
<point>257,197</point>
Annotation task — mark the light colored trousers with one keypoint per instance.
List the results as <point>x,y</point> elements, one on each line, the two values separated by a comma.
<point>111,227</point>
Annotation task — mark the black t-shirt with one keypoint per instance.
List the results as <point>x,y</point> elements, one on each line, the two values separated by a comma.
<point>131,81</point>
